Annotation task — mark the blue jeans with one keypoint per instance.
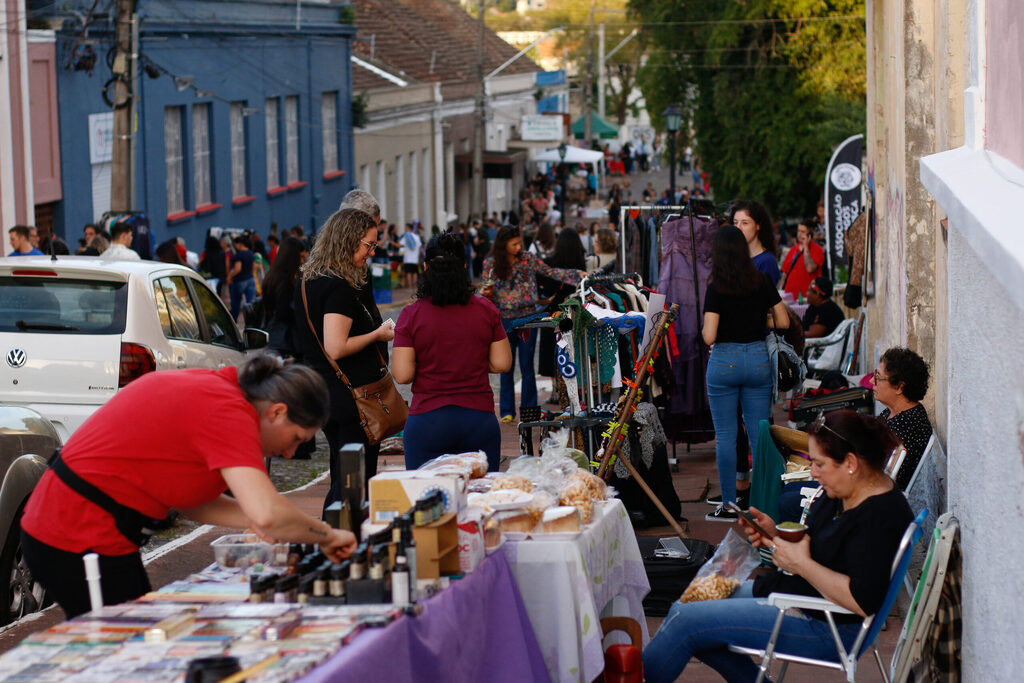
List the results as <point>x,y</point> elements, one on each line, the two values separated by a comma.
<point>239,289</point>
<point>706,630</point>
<point>452,429</point>
<point>525,350</point>
<point>739,375</point>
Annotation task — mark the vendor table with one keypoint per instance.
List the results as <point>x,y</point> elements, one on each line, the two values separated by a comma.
<point>566,585</point>
<point>476,630</point>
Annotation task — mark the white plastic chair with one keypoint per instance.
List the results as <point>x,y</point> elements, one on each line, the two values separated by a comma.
<point>846,661</point>
<point>822,354</point>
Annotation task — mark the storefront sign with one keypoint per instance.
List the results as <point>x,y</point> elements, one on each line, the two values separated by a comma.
<point>101,137</point>
<point>540,127</point>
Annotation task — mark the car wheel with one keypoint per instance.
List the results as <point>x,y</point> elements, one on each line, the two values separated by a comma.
<point>20,594</point>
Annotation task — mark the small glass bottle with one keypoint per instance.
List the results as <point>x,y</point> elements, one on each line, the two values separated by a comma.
<point>400,595</point>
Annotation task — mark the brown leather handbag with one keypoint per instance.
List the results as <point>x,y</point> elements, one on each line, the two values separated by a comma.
<point>382,410</point>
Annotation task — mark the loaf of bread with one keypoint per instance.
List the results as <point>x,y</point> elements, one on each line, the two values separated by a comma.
<point>563,519</point>
<point>515,521</point>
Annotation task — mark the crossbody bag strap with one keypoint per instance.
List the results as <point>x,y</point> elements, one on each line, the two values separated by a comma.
<point>334,364</point>
<point>383,363</point>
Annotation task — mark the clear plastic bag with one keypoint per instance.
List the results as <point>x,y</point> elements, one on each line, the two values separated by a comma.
<point>473,464</point>
<point>731,564</point>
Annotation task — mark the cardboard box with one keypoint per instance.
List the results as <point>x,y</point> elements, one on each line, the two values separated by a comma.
<point>394,493</point>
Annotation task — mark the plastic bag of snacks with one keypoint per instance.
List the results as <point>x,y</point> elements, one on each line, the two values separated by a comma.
<point>721,575</point>
<point>577,494</point>
<point>596,487</point>
<point>555,445</point>
<point>512,481</point>
<point>542,500</point>
<point>473,464</point>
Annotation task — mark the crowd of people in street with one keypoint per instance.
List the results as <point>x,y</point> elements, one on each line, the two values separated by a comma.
<point>315,299</point>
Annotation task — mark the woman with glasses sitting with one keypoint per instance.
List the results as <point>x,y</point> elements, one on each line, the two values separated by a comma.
<point>510,280</point>
<point>900,382</point>
<point>853,534</point>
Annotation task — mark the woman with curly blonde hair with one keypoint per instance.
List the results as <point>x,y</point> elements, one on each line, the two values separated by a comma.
<point>345,317</point>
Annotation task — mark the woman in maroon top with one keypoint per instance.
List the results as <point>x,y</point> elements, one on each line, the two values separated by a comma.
<point>445,344</point>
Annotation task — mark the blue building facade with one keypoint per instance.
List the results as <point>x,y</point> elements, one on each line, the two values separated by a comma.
<point>243,120</point>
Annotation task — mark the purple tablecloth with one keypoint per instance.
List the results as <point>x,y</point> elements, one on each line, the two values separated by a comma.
<point>475,631</point>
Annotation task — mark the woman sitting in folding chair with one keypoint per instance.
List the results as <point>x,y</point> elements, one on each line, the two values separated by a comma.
<point>853,534</point>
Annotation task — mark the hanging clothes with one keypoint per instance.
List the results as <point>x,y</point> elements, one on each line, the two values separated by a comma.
<point>688,409</point>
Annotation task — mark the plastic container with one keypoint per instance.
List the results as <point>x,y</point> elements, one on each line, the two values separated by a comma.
<point>246,550</point>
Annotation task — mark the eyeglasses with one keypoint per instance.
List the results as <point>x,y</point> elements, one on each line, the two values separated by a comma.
<point>878,378</point>
<point>372,246</point>
<point>819,424</point>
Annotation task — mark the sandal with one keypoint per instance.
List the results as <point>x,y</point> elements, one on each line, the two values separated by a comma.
<point>507,419</point>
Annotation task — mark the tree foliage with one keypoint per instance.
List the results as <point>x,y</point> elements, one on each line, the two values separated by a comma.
<point>769,88</point>
<point>574,15</point>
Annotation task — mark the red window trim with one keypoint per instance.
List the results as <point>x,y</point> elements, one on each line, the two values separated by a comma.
<point>296,185</point>
<point>237,201</point>
<point>207,208</point>
<point>180,216</point>
<point>275,191</point>
<point>331,175</point>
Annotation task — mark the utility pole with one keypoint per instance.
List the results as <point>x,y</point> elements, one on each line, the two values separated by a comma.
<point>600,70</point>
<point>120,167</point>
<point>480,114</point>
<point>588,124</point>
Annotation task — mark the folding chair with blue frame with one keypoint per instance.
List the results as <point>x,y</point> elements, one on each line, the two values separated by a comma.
<point>846,661</point>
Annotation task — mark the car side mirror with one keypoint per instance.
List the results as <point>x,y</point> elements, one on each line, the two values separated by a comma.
<point>253,338</point>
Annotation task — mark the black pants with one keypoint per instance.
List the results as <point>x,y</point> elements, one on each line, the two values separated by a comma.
<point>62,574</point>
<point>343,427</point>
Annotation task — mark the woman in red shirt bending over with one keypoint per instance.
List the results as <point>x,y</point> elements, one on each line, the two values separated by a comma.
<point>446,343</point>
<point>173,440</point>
<point>803,262</point>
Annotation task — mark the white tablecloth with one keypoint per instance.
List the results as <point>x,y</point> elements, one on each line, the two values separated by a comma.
<point>568,585</point>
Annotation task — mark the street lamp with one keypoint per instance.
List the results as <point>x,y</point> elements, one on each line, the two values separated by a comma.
<point>562,149</point>
<point>673,117</point>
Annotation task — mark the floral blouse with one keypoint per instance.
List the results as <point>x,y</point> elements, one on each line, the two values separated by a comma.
<point>517,296</point>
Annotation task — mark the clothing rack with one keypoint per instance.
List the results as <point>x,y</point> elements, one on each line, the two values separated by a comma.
<point>592,280</point>
<point>692,207</point>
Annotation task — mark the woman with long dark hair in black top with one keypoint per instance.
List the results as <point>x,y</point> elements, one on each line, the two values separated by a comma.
<point>738,304</point>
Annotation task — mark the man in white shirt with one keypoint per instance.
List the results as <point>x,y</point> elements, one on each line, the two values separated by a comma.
<point>411,245</point>
<point>120,244</point>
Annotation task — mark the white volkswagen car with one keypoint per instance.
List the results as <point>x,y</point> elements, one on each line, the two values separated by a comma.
<point>74,330</point>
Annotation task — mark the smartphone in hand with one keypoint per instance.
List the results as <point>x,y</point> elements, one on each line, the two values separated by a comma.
<point>749,519</point>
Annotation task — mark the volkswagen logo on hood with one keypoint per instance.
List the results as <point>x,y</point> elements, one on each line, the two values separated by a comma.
<point>16,358</point>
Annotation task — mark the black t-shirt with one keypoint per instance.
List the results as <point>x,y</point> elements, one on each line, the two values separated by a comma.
<point>245,258</point>
<point>914,430</point>
<point>828,314</point>
<point>336,295</point>
<point>742,318</point>
<point>860,543</point>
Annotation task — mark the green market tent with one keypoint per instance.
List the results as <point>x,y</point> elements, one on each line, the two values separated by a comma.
<point>600,128</point>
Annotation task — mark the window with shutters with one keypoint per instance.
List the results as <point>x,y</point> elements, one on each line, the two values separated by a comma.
<point>202,186</point>
<point>291,134</point>
<point>239,186</point>
<point>273,156</point>
<point>329,128</point>
<point>174,160</point>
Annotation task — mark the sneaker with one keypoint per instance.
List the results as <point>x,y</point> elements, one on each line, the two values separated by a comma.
<point>742,499</point>
<point>721,515</point>
<point>507,419</point>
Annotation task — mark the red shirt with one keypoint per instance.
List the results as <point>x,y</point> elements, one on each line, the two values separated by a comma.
<point>451,345</point>
<point>799,279</point>
<point>158,444</point>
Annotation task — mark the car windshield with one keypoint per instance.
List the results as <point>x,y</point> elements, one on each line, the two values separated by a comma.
<point>62,306</point>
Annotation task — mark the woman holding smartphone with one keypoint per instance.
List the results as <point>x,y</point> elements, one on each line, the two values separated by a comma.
<point>739,301</point>
<point>853,534</point>
<point>334,305</point>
